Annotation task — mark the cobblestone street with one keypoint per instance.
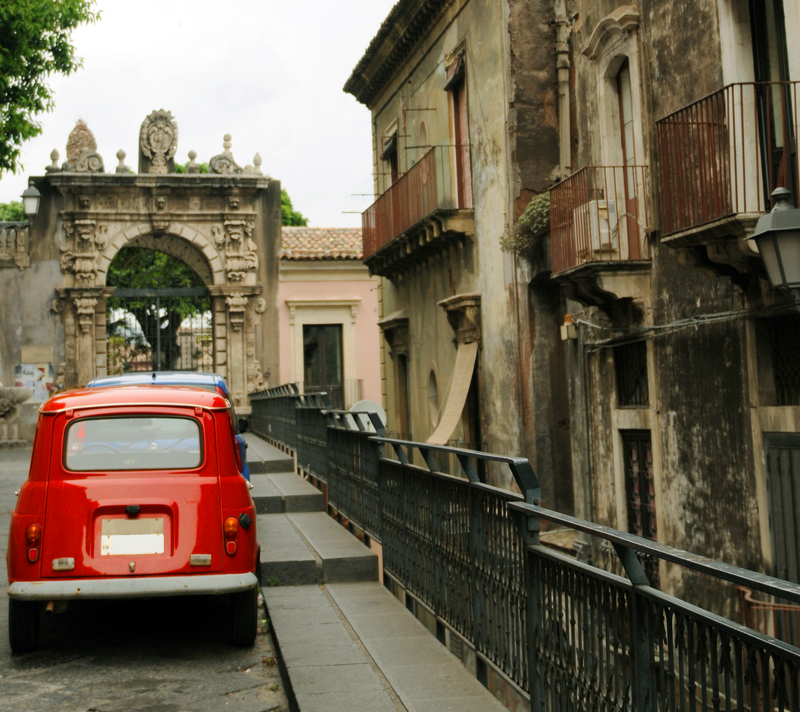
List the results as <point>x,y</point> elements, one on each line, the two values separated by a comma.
<point>154,655</point>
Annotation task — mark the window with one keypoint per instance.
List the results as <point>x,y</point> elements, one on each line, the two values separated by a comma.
<point>778,342</point>
<point>322,361</point>
<point>783,486</point>
<point>457,86</point>
<point>137,443</point>
<point>630,364</point>
<point>637,453</point>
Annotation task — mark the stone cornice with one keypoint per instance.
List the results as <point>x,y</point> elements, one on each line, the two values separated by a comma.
<point>623,19</point>
<point>407,23</point>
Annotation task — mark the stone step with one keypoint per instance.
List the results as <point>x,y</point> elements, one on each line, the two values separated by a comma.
<point>285,558</point>
<point>285,492</point>
<point>310,547</point>
<point>263,458</point>
<point>355,646</point>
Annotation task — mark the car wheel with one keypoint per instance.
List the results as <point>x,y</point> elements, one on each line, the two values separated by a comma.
<point>243,621</point>
<point>23,625</point>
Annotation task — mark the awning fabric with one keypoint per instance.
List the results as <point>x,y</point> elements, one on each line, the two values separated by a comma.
<point>457,394</point>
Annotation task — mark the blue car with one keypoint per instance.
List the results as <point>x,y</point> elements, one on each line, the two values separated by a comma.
<point>208,381</point>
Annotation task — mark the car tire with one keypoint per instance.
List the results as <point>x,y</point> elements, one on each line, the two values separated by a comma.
<point>243,617</point>
<point>23,625</point>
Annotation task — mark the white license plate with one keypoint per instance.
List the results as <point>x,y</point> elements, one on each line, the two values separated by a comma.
<point>128,537</point>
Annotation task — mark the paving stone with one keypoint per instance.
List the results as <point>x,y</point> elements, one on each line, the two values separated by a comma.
<point>284,555</point>
<point>265,458</point>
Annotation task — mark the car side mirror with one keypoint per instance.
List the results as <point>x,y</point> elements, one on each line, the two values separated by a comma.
<point>244,426</point>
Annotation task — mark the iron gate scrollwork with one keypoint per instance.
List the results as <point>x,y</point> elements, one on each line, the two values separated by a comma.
<point>159,330</point>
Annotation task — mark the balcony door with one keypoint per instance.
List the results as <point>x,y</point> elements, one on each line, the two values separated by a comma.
<point>631,222</point>
<point>458,91</point>
<point>322,361</point>
<point>777,136</point>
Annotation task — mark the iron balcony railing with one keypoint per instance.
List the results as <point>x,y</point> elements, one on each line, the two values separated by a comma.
<point>724,154</point>
<point>438,181</point>
<point>599,214</point>
<point>571,635</point>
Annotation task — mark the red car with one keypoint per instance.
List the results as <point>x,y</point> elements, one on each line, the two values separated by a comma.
<point>133,491</point>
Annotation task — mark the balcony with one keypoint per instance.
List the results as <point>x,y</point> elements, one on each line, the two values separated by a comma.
<point>598,229</point>
<point>719,160</point>
<point>15,244</point>
<point>423,212</point>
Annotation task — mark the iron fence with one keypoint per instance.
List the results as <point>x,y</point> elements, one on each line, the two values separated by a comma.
<point>433,183</point>
<point>572,635</point>
<point>599,214</point>
<point>724,154</point>
<point>312,433</point>
<point>273,414</point>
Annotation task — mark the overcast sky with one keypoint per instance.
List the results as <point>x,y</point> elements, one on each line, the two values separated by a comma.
<point>269,73</point>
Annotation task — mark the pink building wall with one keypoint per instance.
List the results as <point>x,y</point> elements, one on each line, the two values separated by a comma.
<point>325,291</point>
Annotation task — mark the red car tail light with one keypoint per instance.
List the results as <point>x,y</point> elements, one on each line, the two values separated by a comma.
<point>231,529</point>
<point>33,539</point>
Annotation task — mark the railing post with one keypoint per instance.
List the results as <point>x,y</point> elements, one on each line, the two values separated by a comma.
<point>641,632</point>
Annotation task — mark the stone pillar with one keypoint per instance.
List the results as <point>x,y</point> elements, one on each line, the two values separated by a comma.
<point>84,308</point>
<point>237,360</point>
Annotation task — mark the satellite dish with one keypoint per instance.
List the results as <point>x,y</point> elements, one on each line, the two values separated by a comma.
<point>366,406</point>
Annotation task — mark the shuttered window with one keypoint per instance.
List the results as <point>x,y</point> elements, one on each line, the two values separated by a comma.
<point>783,487</point>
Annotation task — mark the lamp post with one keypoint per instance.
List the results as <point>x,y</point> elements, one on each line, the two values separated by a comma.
<point>30,201</point>
<point>777,238</point>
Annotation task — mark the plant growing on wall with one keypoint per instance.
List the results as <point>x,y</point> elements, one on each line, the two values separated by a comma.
<point>35,42</point>
<point>532,224</point>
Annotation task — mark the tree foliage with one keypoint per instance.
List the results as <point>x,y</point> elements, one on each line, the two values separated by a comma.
<point>288,214</point>
<point>35,42</point>
<point>181,167</point>
<point>12,212</point>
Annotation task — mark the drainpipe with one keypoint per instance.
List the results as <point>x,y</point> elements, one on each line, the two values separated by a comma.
<point>563,66</point>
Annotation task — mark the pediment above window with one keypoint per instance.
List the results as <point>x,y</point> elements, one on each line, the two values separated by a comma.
<point>623,19</point>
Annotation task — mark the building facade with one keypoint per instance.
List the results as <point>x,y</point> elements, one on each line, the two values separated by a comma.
<point>328,311</point>
<point>630,346</point>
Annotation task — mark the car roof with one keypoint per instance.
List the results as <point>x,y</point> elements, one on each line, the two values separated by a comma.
<point>164,378</point>
<point>125,396</point>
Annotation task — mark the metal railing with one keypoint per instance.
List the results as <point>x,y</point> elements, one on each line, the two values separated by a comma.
<point>273,414</point>
<point>599,214</point>
<point>14,242</point>
<point>724,154</point>
<point>343,395</point>
<point>572,635</point>
<point>433,183</point>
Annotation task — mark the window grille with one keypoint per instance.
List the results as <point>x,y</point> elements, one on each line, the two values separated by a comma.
<point>640,493</point>
<point>785,342</point>
<point>630,362</point>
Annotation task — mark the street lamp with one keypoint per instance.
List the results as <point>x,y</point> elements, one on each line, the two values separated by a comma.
<point>777,237</point>
<point>30,201</point>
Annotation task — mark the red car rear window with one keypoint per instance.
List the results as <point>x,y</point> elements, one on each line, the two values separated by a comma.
<point>134,443</point>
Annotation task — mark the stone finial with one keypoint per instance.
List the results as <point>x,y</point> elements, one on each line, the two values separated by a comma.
<point>158,141</point>
<point>192,166</point>
<point>122,168</point>
<point>81,138</point>
<point>54,167</point>
<point>257,164</point>
<point>224,163</point>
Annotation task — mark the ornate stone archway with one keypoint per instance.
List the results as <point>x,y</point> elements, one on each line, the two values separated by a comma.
<point>224,225</point>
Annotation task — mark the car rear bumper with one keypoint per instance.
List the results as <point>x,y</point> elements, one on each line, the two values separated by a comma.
<point>133,587</point>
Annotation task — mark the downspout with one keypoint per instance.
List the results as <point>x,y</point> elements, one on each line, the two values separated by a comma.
<point>563,30</point>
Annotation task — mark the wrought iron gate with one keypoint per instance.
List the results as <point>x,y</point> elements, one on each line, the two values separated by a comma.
<point>159,330</point>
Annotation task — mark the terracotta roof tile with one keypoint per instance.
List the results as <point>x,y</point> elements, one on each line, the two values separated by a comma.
<point>321,243</point>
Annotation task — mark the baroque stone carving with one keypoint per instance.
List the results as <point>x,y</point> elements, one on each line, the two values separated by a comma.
<point>84,307</point>
<point>122,168</point>
<point>224,163</point>
<point>57,305</point>
<point>464,315</point>
<point>261,305</point>
<point>255,379</point>
<point>237,303</point>
<point>158,140</point>
<point>240,250</point>
<point>79,254</point>
<point>80,139</point>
